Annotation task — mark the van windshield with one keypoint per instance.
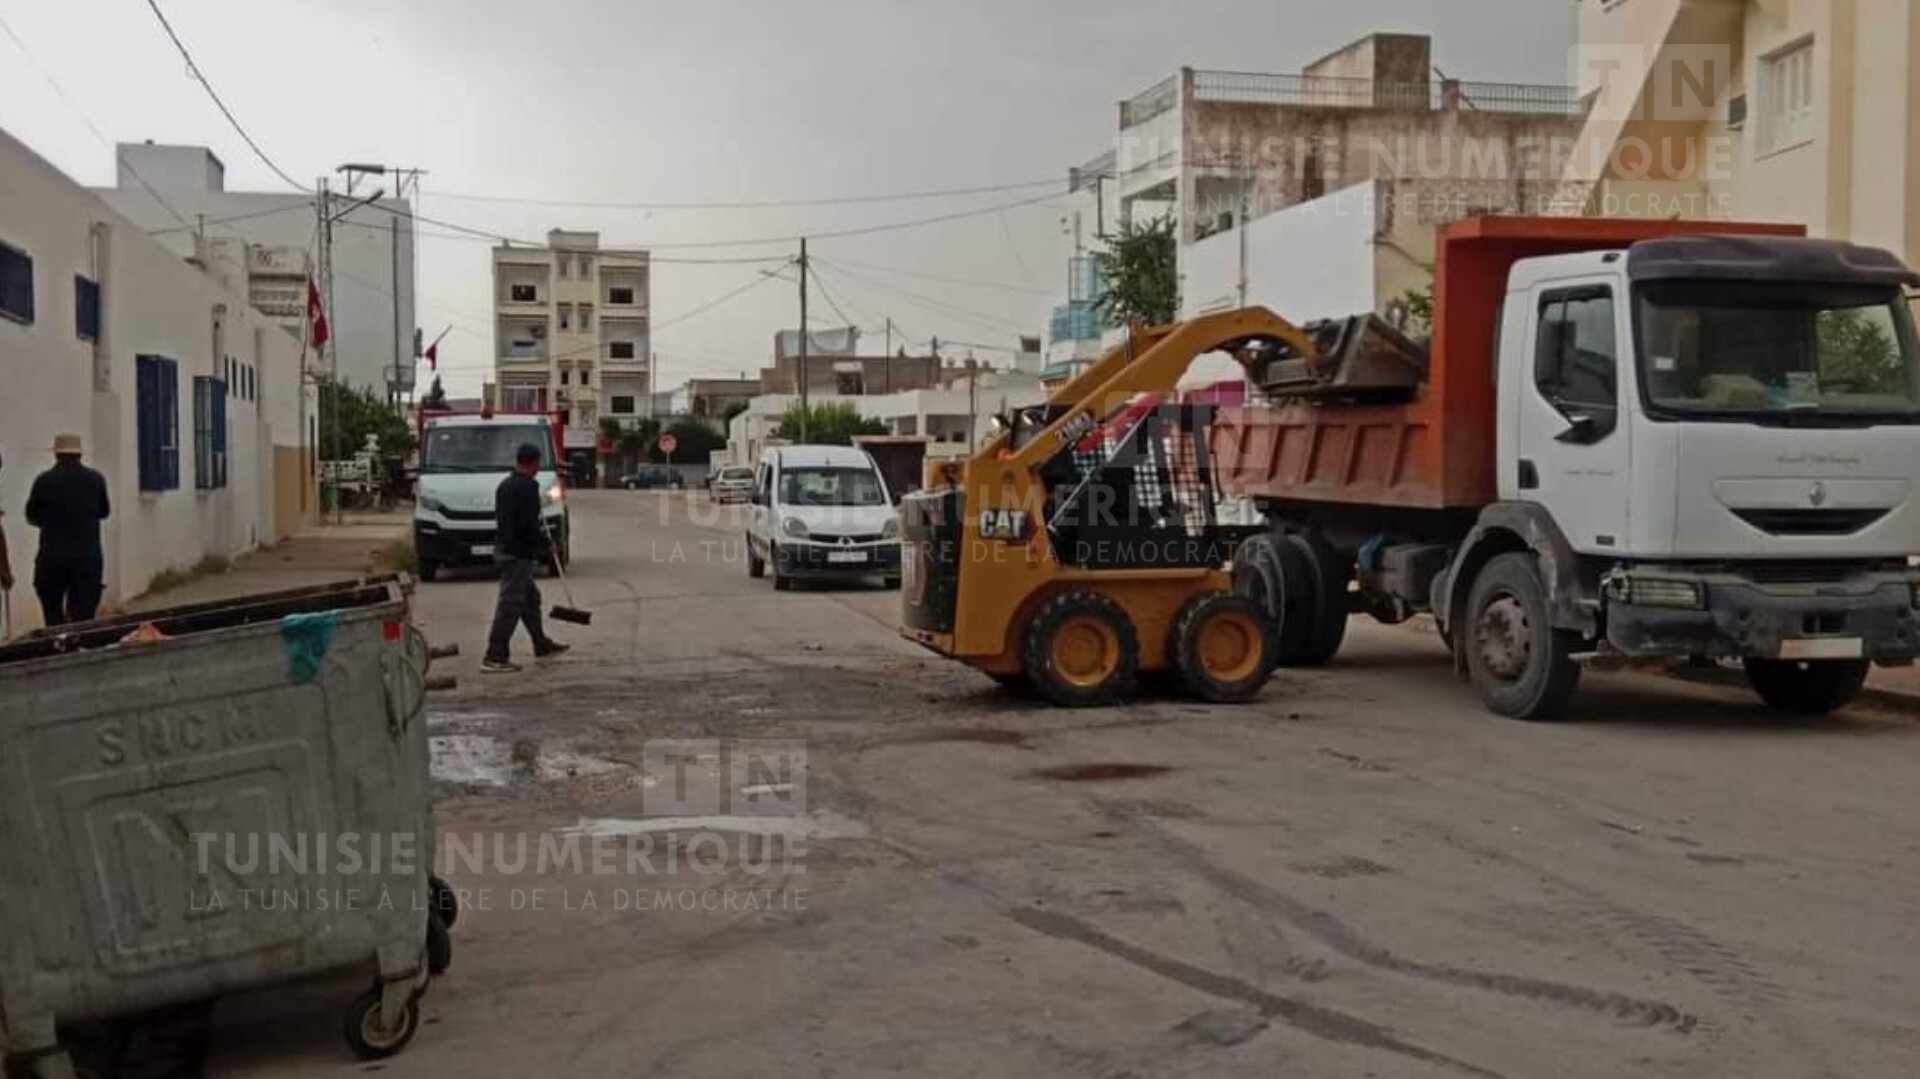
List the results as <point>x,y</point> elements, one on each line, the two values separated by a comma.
<point>1779,353</point>
<point>483,447</point>
<point>824,486</point>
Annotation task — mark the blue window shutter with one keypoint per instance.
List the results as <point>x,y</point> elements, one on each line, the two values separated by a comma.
<point>146,401</point>
<point>170,423</point>
<point>220,434</point>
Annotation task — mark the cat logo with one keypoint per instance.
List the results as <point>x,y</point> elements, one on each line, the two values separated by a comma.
<point>1009,526</point>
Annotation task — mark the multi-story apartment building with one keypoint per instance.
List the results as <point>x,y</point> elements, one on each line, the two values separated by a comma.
<point>1802,111</point>
<point>261,244</point>
<point>571,333</point>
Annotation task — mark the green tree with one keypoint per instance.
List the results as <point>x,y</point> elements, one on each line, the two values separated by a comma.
<point>693,441</point>
<point>1858,354</point>
<point>832,424</point>
<point>1142,276</point>
<point>1419,305</point>
<point>348,414</point>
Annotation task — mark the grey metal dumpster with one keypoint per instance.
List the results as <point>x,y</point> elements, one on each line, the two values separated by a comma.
<point>241,802</point>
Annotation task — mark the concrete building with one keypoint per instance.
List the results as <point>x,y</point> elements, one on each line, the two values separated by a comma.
<point>944,412</point>
<point>190,402</point>
<point>845,374</point>
<point>706,398</point>
<point>263,243</point>
<point>572,333</point>
<point>1221,152</point>
<point>1803,111</point>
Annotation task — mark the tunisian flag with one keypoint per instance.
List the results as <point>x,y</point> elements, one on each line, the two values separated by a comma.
<point>433,356</point>
<point>317,334</point>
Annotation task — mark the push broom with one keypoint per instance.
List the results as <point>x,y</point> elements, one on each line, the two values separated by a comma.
<point>564,613</point>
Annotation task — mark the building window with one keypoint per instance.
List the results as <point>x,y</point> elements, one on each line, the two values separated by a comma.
<point>586,266</point>
<point>620,294</point>
<point>16,284</point>
<point>586,317</point>
<point>86,308</point>
<point>1786,98</point>
<point>209,433</point>
<point>523,348</point>
<point>584,376</point>
<point>157,421</point>
<point>1575,360</point>
<point>620,350</point>
<point>566,265</point>
<point>524,293</point>
<point>621,405</point>
<point>566,316</point>
<point>565,376</point>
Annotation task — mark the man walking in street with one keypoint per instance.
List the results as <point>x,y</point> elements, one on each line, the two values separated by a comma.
<point>6,578</point>
<point>67,504</point>
<point>519,544</point>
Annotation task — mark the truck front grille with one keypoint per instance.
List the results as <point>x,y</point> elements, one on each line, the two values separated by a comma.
<point>1784,522</point>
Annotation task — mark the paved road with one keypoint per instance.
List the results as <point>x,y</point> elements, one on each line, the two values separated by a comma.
<point>1362,873</point>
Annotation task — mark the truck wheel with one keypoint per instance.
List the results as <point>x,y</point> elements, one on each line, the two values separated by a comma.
<point>1081,650</point>
<point>781,582</point>
<point>1807,687</point>
<point>1522,666</point>
<point>756,566</point>
<point>1327,577</point>
<point>1224,647</point>
<point>429,569</point>
<point>1272,572</point>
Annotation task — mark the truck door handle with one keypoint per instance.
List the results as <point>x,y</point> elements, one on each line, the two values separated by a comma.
<point>1529,475</point>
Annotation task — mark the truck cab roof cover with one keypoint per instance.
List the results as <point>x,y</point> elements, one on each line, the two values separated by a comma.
<point>1766,258</point>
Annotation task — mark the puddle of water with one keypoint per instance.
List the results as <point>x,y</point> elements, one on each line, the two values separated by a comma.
<point>1098,773</point>
<point>821,824</point>
<point>482,760</point>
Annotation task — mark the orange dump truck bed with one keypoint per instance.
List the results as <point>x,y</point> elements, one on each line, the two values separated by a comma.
<point>1435,451</point>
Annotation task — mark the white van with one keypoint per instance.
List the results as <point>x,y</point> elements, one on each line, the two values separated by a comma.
<point>822,511</point>
<point>463,458</point>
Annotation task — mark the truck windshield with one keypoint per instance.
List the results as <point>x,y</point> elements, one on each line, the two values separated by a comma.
<point>830,487</point>
<point>1775,352</point>
<point>482,447</point>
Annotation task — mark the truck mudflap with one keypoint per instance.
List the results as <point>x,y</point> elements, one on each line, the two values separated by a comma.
<point>1662,612</point>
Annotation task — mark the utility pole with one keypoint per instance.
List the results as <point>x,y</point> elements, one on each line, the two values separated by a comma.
<point>886,357</point>
<point>331,357</point>
<point>803,340</point>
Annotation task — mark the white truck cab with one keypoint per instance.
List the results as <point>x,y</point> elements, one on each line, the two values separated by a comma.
<point>821,512</point>
<point>463,458</point>
<point>1724,433</point>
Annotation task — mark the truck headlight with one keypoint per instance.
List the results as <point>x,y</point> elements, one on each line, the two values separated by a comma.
<point>431,504</point>
<point>794,527</point>
<point>1644,591</point>
<point>890,530</point>
<point>556,493</point>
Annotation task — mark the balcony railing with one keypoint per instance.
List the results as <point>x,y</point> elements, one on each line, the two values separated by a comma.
<point>1327,91</point>
<point>1149,103</point>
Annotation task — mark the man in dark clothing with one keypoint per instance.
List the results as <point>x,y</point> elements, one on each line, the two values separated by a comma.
<point>519,543</point>
<point>67,504</point>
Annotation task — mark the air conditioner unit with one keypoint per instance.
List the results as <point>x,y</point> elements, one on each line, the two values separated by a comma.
<point>539,330</point>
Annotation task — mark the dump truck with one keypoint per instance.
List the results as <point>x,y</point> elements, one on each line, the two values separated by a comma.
<point>1639,438</point>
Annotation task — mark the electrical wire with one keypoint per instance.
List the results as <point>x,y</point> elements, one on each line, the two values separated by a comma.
<point>1035,290</point>
<point>61,92</point>
<point>754,204</point>
<point>194,70</point>
<point>980,318</point>
<point>290,207</point>
<point>828,296</point>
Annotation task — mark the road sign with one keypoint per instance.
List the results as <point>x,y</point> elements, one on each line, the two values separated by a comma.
<point>667,444</point>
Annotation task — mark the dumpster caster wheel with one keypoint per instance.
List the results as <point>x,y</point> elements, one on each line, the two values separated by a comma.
<point>439,946</point>
<point>367,1038</point>
<point>444,901</point>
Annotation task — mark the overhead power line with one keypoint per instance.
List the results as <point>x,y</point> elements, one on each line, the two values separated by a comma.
<point>194,69</point>
<point>938,306</point>
<point>753,204</point>
<point>948,278</point>
<point>188,227</point>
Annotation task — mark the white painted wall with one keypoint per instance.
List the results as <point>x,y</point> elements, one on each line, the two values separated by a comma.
<point>151,302</point>
<point>1313,260</point>
<point>364,249</point>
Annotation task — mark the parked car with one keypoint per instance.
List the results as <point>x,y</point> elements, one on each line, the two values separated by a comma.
<point>732,484</point>
<point>648,477</point>
<point>822,511</point>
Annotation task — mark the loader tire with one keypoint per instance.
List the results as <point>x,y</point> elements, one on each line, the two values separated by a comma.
<point>1224,648</point>
<point>1081,651</point>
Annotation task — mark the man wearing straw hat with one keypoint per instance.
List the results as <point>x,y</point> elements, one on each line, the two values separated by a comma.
<point>67,504</point>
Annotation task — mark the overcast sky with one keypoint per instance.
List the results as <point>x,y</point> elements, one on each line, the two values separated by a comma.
<point>716,100</point>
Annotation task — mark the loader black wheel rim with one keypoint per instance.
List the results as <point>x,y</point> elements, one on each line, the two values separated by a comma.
<point>1504,636</point>
<point>1085,651</point>
<point>1231,646</point>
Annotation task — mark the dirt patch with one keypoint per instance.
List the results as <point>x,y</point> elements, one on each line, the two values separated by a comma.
<point>1101,773</point>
